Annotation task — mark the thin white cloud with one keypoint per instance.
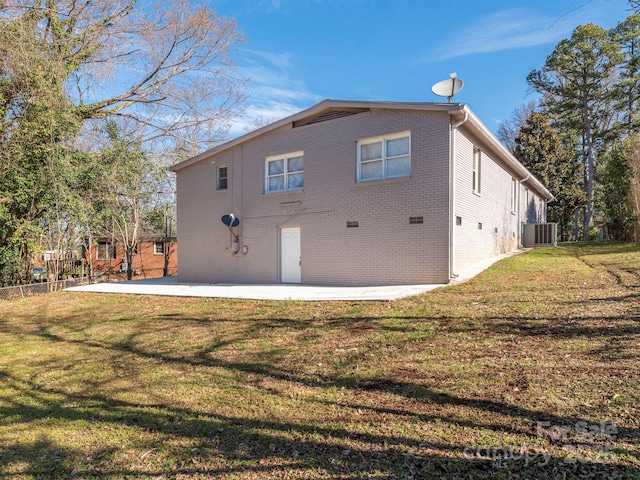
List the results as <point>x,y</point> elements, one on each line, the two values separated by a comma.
<point>506,30</point>
<point>248,7</point>
<point>276,6</point>
<point>276,89</point>
<point>259,115</point>
<point>280,61</point>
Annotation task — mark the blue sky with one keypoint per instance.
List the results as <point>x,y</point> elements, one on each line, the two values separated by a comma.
<point>299,52</point>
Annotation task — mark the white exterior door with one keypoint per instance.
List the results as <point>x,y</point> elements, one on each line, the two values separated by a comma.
<point>290,260</point>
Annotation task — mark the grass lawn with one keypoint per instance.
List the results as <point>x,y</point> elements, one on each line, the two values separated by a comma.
<point>529,371</point>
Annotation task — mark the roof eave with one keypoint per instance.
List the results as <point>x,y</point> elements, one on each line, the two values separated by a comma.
<point>525,175</point>
<point>456,110</point>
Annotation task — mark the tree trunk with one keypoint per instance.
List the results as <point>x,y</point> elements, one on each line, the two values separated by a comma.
<point>129,255</point>
<point>167,253</point>
<point>589,173</point>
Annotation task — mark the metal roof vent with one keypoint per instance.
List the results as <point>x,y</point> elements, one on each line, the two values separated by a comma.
<point>330,114</point>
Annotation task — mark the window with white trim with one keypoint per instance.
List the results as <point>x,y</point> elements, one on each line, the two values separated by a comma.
<point>284,173</point>
<point>158,248</point>
<point>514,193</point>
<point>221,178</point>
<point>384,157</point>
<point>476,170</point>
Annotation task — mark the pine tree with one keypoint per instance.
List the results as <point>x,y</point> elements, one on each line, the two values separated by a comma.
<point>616,193</point>
<point>576,82</point>
<point>627,36</point>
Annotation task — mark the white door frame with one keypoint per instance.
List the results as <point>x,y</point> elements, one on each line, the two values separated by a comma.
<point>290,255</point>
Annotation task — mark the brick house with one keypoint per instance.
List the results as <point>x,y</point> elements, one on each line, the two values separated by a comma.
<point>154,257</point>
<point>354,193</point>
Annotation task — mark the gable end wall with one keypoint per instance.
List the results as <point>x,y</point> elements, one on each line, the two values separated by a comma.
<point>383,249</point>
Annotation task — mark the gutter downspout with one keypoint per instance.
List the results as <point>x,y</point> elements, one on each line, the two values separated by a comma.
<point>452,195</point>
<point>520,208</point>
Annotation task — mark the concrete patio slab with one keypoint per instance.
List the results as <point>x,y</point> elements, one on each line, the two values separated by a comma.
<point>170,286</point>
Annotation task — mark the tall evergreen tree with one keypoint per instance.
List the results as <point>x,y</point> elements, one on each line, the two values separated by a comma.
<point>576,82</point>
<point>616,193</point>
<point>540,149</point>
<point>627,36</point>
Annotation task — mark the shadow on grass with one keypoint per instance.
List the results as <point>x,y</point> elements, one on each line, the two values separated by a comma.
<point>235,445</point>
<point>221,445</point>
<point>168,440</point>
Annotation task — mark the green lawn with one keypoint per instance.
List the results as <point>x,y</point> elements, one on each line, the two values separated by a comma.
<point>530,371</point>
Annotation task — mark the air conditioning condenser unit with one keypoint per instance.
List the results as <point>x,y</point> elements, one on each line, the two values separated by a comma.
<point>540,235</point>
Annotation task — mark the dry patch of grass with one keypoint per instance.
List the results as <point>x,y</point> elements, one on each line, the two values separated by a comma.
<point>528,371</point>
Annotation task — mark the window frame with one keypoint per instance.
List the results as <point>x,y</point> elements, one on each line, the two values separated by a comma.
<point>476,170</point>
<point>109,249</point>
<point>220,178</point>
<point>155,249</point>
<point>285,172</point>
<point>383,139</point>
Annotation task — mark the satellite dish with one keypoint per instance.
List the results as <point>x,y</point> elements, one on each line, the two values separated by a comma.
<point>230,220</point>
<point>448,88</point>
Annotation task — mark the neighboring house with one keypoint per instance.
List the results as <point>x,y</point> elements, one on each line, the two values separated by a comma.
<point>154,257</point>
<point>354,193</point>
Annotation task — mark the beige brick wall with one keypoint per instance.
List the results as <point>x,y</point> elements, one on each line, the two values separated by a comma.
<point>384,249</point>
<point>532,210</point>
<point>490,209</point>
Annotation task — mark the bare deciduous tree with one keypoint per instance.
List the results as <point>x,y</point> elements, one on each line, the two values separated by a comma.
<point>66,65</point>
<point>167,65</point>
<point>508,130</point>
<point>259,122</point>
